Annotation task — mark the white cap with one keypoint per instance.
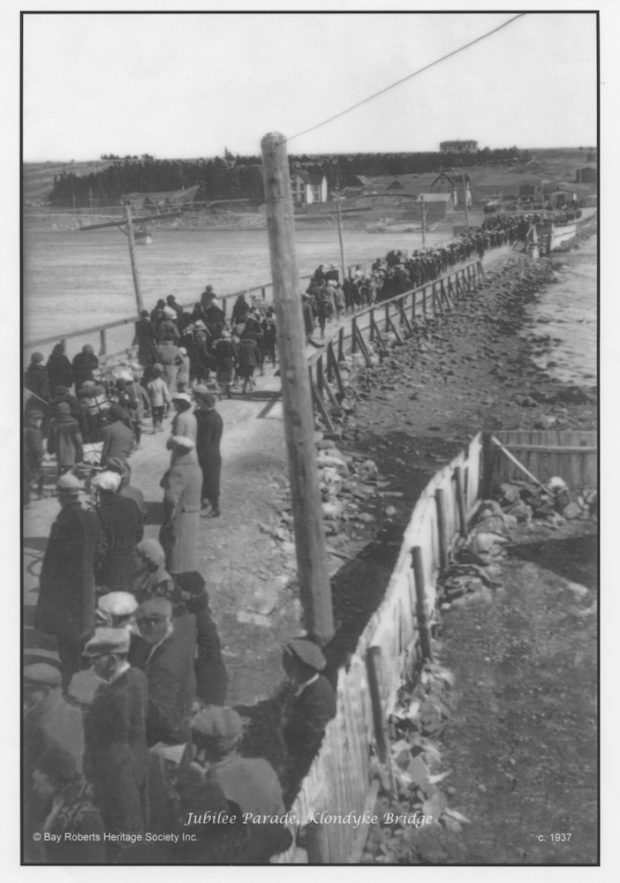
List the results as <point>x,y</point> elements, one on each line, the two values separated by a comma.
<point>118,604</point>
<point>107,481</point>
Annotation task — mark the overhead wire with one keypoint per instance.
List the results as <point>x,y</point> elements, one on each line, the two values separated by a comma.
<point>405,79</point>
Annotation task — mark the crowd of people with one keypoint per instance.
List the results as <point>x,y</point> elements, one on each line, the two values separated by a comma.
<point>130,733</point>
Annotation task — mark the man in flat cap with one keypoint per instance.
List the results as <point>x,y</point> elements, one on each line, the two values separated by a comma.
<point>116,755</point>
<point>66,602</point>
<point>165,652</point>
<point>72,819</point>
<point>310,706</point>
<point>208,439</point>
<point>121,523</point>
<point>182,484</point>
<point>249,784</point>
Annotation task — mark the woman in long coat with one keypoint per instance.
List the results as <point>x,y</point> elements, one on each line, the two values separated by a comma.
<point>59,368</point>
<point>182,484</point>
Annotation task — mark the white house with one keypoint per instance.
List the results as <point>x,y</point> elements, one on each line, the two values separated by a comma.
<point>308,188</point>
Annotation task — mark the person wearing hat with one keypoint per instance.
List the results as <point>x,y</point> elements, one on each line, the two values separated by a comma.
<point>225,354</point>
<point>66,603</point>
<point>211,677</point>
<point>36,378</point>
<point>151,579</point>
<point>182,484</point>
<point>65,439</point>
<point>49,720</point>
<point>167,328</point>
<point>165,651</point>
<point>125,488</point>
<point>32,455</point>
<point>73,820</point>
<point>184,369</point>
<point>118,439</point>
<point>144,339</point>
<point>169,357</point>
<point>210,427</point>
<point>249,784</point>
<point>183,422</point>
<point>116,753</point>
<point>309,707</point>
<point>159,396</point>
<point>117,610</point>
<point>59,368</point>
<point>122,528</point>
<point>84,365</point>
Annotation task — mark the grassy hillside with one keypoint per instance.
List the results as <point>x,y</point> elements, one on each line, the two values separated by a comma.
<point>38,178</point>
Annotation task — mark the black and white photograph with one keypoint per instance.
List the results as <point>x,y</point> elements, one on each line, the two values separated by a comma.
<point>309,413</point>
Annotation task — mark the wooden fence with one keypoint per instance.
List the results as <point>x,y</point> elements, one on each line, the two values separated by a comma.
<point>571,454</point>
<point>117,336</point>
<point>367,332</point>
<point>344,775</point>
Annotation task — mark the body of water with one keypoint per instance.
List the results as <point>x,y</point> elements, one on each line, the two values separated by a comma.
<point>567,311</point>
<point>75,280</point>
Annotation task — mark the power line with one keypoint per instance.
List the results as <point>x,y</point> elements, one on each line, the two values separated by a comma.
<point>408,77</point>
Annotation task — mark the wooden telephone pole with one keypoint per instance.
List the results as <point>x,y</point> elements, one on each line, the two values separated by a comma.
<point>465,201</point>
<point>423,221</point>
<point>342,263</point>
<point>131,239</point>
<point>314,585</point>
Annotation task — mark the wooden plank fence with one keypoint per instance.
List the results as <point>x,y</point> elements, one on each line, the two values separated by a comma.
<point>344,775</point>
<point>572,454</point>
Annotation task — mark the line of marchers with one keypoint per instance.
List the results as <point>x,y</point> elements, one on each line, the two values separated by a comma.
<point>312,818</point>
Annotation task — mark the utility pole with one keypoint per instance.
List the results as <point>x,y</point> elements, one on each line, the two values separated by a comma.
<point>342,263</point>
<point>465,201</point>
<point>314,585</point>
<point>132,254</point>
<point>423,221</point>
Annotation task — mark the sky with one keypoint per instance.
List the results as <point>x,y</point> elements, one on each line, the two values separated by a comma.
<point>189,85</point>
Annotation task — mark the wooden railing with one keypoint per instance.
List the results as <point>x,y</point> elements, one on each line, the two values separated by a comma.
<point>100,336</point>
<point>344,775</point>
<point>367,331</point>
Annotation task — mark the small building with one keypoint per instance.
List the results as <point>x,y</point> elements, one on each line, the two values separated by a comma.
<point>587,175</point>
<point>308,188</point>
<point>458,146</point>
<point>167,199</point>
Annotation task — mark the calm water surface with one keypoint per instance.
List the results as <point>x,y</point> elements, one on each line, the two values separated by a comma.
<point>75,280</point>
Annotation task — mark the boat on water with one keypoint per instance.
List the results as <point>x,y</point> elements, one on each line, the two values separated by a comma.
<point>143,237</point>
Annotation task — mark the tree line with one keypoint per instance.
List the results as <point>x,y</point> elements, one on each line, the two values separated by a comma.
<point>241,177</point>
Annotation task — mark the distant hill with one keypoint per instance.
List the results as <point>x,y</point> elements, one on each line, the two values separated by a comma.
<point>38,178</point>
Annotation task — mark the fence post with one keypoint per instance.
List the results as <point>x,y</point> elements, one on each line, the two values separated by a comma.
<point>103,349</point>
<point>420,605</point>
<point>353,334</point>
<point>486,473</point>
<point>387,316</point>
<point>442,528</point>
<point>341,344</point>
<point>424,301</point>
<point>460,500</point>
<point>317,844</point>
<point>319,374</point>
<point>373,662</point>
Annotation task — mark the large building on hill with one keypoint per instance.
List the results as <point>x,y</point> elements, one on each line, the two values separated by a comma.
<point>458,146</point>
